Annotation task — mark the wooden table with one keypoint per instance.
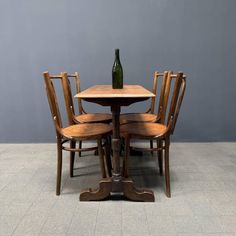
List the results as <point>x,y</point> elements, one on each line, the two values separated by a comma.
<point>115,98</point>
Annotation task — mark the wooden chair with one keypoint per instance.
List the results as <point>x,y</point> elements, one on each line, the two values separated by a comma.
<point>158,131</point>
<point>73,133</point>
<point>149,115</point>
<point>83,116</point>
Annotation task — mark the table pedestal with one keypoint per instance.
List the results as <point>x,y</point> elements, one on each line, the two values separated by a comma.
<point>117,183</point>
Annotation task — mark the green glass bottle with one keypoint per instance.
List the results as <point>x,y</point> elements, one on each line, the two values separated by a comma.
<point>117,72</point>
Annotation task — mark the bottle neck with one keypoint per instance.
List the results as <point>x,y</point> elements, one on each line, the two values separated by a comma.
<point>117,55</point>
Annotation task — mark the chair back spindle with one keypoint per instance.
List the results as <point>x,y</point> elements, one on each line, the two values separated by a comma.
<point>76,78</point>
<point>157,76</point>
<point>68,97</point>
<point>154,90</point>
<point>180,95</point>
<point>161,105</point>
<point>179,81</point>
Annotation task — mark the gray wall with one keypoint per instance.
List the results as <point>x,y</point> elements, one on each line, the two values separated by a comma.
<point>197,37</point>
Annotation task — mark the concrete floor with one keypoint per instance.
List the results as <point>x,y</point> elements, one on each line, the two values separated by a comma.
<point>203,180</point>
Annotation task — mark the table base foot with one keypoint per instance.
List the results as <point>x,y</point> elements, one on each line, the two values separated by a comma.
<point>101,193</point>
<point>136,194</point>
<point>106,187</point>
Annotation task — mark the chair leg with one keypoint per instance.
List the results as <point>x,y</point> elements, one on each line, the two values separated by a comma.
<point>160,156</point>
<point>126,158</point>
<point>80,146</point>
<point>151,145</point>
<point>167,171</point>
<point>59,167</point>
<point>101,157</point>
<point>108,157</point>
<point>72,158</point>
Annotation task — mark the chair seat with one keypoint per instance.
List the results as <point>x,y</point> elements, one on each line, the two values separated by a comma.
<point>137,117</point>
<point>144,130</point>
<point>94,117</point>
<point>86,131</point>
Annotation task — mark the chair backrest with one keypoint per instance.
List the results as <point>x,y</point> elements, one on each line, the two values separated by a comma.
<point>171,97</point>
<point>52,99</point>
<point>66,84</point>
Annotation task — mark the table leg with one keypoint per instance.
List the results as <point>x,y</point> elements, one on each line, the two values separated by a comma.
<point>117,183</point>
<point>121,184</point>
<point>116,174</point>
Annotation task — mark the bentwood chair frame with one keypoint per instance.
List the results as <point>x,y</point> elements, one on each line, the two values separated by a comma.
<point>161,114</point>
<point>158,131</point>
<point>73,133</point>
<point>149,115</point>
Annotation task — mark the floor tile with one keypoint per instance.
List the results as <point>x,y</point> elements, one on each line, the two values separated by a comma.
<point>203,202</point>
